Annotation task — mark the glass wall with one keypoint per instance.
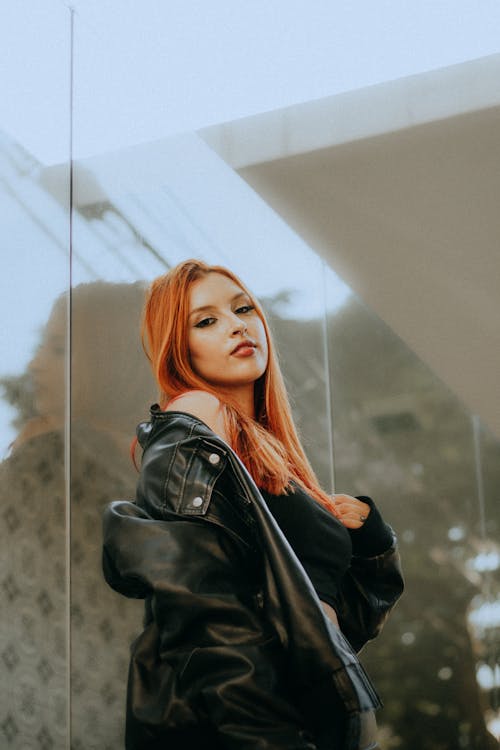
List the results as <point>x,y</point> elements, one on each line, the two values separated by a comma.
<point>124,237</point>
<point>34,687</point>
<point>401,436</point>
<point>374,420</point>
<point>359,395</point>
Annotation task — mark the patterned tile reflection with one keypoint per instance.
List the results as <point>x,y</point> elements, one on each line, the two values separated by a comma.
<point>9,728</point>
<point>10,588</point>
<point>45,739</point>
<point>10,657</point>
<point>11,518</point>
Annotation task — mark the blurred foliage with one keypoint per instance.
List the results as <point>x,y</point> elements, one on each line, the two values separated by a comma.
<point>17,390</point>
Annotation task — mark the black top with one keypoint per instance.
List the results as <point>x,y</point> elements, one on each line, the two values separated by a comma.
<point>322,543</point>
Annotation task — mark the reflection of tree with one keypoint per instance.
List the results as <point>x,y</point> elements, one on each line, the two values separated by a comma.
<point>401,436</point>
<point>33,638</point>
<point>18,392</point>
<point>111,387</point>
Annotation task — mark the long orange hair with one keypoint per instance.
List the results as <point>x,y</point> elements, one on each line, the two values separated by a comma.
<point>268,445</point>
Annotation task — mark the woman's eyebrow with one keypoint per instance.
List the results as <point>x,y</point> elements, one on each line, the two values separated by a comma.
<point>213,307</point>
<point>201,309</point>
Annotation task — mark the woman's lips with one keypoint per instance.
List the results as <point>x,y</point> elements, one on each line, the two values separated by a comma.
<point>245,350</point>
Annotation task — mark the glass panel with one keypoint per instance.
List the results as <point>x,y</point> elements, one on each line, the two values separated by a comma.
<point>110,383</point>
<point>124,237</point>
<point>398,433</point>
<point>401,437</point>
<point>34,305</point>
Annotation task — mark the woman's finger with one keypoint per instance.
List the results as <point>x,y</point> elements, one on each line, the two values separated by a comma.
<point>351,523</point>
<point>357,507</point>
<point>352,516</point>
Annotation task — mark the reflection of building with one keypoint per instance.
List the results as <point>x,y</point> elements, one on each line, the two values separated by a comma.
<point>396,186</point>
<point>397,431</point>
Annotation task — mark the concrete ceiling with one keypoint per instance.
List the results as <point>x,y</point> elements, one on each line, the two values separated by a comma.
<point>398,188</point>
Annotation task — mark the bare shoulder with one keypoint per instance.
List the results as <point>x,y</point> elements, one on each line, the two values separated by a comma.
<point>204,406</point>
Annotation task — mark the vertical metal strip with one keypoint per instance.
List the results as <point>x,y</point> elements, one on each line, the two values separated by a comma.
<point>328,382</point>
<point>490,595</point>
<point>67,426</point>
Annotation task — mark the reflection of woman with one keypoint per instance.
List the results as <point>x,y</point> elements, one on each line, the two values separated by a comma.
<point>35,515</point>
<point>237,651</point>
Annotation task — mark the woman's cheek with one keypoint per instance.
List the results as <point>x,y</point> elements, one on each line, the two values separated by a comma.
<point>202,355</point>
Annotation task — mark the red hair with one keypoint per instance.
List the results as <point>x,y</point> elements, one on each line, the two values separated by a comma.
<point>268,445</point>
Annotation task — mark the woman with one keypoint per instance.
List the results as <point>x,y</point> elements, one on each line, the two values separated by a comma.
<point>259,586</point>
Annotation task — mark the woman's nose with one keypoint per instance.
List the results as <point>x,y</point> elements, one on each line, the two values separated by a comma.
<point>240,327</point>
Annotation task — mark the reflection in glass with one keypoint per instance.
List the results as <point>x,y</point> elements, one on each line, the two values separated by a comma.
<point>398,435</point>
<point>111,389</point>
<point>33,580</point>
<point>401,436</point>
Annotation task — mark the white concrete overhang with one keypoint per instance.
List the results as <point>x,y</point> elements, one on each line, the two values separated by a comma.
<point>397,186</point>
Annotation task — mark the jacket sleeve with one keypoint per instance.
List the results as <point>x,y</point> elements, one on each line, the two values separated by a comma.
<point>212,656</point>
<point>368,592</point>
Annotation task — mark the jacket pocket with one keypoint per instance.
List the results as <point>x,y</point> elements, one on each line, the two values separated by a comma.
<point>192,474</point>
<point>155,696</point>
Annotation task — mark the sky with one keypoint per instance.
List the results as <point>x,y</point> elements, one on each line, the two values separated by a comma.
<point>150,69</point>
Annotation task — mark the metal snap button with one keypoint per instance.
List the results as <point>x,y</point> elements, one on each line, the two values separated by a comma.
<point>214,458</point>
<point>196,502</point>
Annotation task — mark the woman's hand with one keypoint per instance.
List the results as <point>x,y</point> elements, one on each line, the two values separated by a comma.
<point>350,511</point>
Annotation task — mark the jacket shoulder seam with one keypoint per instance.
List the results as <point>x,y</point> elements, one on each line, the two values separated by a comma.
<point>169,470</point>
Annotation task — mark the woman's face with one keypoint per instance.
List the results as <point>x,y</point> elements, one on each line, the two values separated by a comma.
<point>227,340</point>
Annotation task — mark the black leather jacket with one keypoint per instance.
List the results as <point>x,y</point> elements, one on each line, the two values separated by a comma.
<point>236,651</point>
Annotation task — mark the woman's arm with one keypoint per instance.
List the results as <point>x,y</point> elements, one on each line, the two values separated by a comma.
<point>374,582</point>
<point>368,592</point>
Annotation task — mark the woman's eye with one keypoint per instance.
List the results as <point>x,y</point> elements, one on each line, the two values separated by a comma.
<point>245,309</point>
<point>204,323</point>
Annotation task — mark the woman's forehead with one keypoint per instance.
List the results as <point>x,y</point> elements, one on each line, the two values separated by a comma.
<point>213,289</point>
